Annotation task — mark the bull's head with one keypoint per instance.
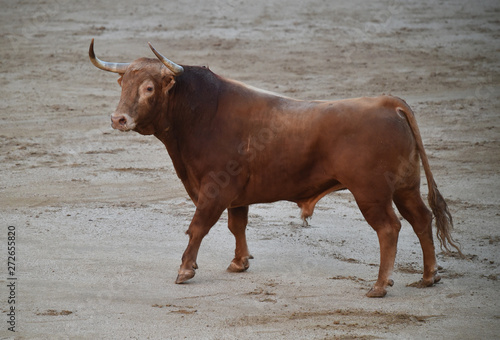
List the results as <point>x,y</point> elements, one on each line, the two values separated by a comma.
<point>145,84</point>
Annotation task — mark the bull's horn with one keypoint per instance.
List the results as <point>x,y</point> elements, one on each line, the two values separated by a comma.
<point>103,65</point>
<point>176,69</point>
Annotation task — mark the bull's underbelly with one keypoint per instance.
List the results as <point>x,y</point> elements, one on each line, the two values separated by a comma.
<point>300,186</point>
<point>308,196</point>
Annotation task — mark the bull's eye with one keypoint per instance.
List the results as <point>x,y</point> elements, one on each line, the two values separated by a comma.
<point>149,88</point>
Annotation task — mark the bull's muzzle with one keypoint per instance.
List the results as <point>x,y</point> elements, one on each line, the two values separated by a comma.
<point>122,122</point>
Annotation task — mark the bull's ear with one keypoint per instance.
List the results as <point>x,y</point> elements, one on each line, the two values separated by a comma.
<point>169,82</point>
<point>168,79</point>
<point>120,79</point>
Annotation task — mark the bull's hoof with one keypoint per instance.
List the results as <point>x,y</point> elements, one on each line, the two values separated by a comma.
<point>424,283</point>
<point>241,265</point>
<point>377,292</point>
<point>184,275</point>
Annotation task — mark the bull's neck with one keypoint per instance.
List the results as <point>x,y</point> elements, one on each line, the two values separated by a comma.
<point>192,103</point>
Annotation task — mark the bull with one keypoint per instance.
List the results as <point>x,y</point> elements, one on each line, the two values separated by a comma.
<point>233,145</point>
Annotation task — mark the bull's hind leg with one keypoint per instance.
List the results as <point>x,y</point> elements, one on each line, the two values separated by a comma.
<point>410,204</point>
<point>237,223</point>
<point>382,218</point>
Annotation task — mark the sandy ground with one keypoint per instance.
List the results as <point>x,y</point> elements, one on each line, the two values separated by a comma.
<point>100,216</point>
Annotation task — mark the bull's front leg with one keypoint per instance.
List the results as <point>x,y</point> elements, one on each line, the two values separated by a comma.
<point>237,223</point>
<point>204,218</point>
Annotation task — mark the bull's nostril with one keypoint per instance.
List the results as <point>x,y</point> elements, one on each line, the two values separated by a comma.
<point>119,120</point>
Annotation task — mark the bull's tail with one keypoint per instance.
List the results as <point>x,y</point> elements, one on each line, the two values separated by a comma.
<point>444,220</point>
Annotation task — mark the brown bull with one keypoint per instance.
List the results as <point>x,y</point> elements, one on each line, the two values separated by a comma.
<point>233,145</point>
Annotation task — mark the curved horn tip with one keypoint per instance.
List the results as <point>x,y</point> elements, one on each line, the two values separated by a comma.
<point>106,66</point>
<point>176,69</point>
<point>91,49</point>
<point>158,54</point>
